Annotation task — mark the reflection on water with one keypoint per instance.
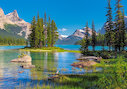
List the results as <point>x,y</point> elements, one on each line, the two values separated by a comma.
<point>46,63</point>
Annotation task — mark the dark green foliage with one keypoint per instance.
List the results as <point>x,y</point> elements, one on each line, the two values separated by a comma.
<point>115,36</point>
<point>109,26</point>
<point>14,29</point>
<point>32,35</point>
<point>85,42</point>
<point>54,33</point>
<point>118,42</point>
<point>93,42</point>
<point>43,33</point>
<point>7,38</point>
<point>49,40</point>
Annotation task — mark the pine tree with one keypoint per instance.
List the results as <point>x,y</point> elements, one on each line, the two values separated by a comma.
<point>54,33</point>
<point>85,41</point>
<point>41,30</point>
<point>37,38</point>
<point>32,35</point>
<point>45,30</point>
<point>43,35</point>
<point>123,32</point>
<point>86,36</point>
<point>49,36</point>
<point>93,36</point>
<point>109,26</point>
<point>118,26</point>
<point>83,46</point>
<point>45,19</point>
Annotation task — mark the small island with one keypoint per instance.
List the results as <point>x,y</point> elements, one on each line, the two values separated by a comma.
<point>48,49</point>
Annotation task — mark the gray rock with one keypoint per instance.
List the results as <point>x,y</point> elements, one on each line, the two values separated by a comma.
<point>28,66</point>
<point>23,59</point>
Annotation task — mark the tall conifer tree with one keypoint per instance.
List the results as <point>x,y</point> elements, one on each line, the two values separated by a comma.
<point>109,26</point>
<point>37,38</point>
<point>93,36</point>
<point>123,32</point>
<point>86,36</point>
<point>54,33</point>
<point>118,26</point>
<point>32,35</point>
<point>49,36</point>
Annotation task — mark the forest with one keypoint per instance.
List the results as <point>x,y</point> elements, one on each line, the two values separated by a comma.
<point>7,38</point>
<point>115,37</point>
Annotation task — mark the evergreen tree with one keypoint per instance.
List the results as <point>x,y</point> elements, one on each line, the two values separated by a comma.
<point>86,36</point>
<point>54,33</point>
<point>49,36</point>
<point>45,29</point>
<point>45,19</point>
<point>37,38</point>
<point>109,26</point>
<point>41,30</point>
<point>123,32</point>
<point>93,36</point>
<point>118,26</point>
<point>85,41</point>
<point>43,35</point>
<point>32,35</point>
<point>83,46</point>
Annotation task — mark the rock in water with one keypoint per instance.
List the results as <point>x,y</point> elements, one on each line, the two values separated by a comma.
<point>24,59</point>
<point>20,71</point>
<point>28,66</point>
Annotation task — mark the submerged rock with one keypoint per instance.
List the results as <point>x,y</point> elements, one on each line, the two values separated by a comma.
<point>23,59</point>
<point>28,66</point>
<point>21,71</point>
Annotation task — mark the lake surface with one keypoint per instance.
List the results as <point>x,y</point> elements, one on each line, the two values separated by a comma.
<point>46,64</point>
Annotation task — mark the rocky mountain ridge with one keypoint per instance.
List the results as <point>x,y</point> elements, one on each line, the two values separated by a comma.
<point>14,19</point>
<point>76,36</point>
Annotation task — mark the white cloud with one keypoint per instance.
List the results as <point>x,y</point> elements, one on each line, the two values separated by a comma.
<point>65,36</point>
<point>62,30</point>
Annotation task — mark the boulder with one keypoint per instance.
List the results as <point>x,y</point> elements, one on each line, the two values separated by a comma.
<point>27,66</point>
<point>24,59</point>
<point>87,58</point>
<point>21,71</point>
<point>84,64</point>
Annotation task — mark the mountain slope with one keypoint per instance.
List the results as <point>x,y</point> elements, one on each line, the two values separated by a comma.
<point>5,34</point>
<point>76,36</point>
<point>12,20</point>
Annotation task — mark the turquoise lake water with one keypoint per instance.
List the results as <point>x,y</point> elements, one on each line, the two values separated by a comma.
<point>46,64</point>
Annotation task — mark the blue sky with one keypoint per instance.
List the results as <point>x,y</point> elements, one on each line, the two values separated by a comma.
<point>69,15</point>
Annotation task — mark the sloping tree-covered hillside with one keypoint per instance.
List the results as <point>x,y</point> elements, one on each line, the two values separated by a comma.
<point>7,38</point>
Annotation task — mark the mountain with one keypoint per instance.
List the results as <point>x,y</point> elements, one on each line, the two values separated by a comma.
<point>5,34</point>
<point>13,23</point>
<point>76,36</point>
<point>61,37</point>
<point>102,30</point>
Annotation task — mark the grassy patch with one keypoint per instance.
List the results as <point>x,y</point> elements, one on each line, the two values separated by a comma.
<point>49,49</point>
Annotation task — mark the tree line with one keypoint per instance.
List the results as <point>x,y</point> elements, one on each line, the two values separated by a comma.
<point>12,41</point>
<point>43,33</point>
<point>115,36</point>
